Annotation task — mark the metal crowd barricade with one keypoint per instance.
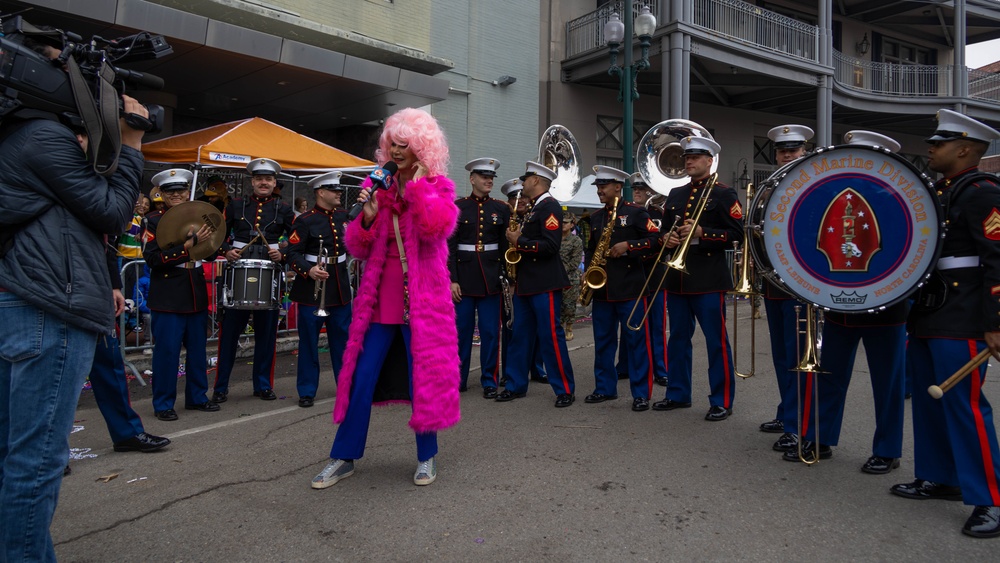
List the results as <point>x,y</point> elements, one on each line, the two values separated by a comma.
<point>132,272</point>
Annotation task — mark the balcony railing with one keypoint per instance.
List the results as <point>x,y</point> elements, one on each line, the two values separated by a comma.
<point>907,81</point>
<point>758,27</point>
<point>984,85</point>
<point>587,32</point>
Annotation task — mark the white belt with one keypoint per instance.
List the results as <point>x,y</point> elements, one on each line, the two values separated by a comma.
<point>478,247</point>
<point>190,265</point>
<point>315,259</point>
<point>952,262</point>
<point>238,245</point>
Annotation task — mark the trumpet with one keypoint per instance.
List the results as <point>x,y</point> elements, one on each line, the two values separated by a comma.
<point>809,365</point>
<point>595,277</point>
<point>512,255</point>
<point>652,272</point>
<point>744,286</point>
<point>319,291</point>
<point>679,261</point>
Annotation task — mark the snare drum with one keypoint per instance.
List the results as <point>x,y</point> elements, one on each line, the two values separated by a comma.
<point>252,284</point>
<point>851,228</point>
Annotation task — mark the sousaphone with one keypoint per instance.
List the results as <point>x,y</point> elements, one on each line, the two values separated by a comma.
<point>559,151</point>
<point>660,158</point>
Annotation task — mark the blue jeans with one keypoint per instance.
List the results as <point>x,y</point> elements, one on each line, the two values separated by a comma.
<point>43,363</point>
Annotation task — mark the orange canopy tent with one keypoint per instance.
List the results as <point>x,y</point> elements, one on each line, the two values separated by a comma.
<point>236,143</point>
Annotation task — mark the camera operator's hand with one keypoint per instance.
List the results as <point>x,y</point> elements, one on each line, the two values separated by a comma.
<point>132,137</point>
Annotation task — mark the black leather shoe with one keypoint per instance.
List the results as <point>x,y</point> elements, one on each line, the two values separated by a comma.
<point>622,376</point>
<point>168,415</point>
<point>668,405</point>
<point>661,381</point>
<point>503,381</point>
<point>718,413</point>
<point>143,442</point>
<point>786,442</point>
<point>207,406</point>
<point>640,404</point>
<point>306,402</point>
<point>773,426</point>
<point>564,400</point>
<point>67,470</point>
<point>265,395</point>
<point>219,397</point>
<point>808,452</point>
<point>540,378</point>
<point>505,395</point>
<point>926,490</point>
<point>880,465</point>
<point>599,398</point>
<point>984,522</point>
<point>489,392</point>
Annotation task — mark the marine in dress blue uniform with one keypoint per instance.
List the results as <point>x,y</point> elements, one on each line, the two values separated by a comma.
<point>110,386</point>
<point>884,336</point>
<point>701,294</point>
<point>657,309</point>
<point>789,146</point>
<point>956,315</point>
<point>519,208</point>
<point>178,302</point>
<point>475,262</point>
<point>538,292</point>
<point>322,226</point>
<point>633,234</point>
<point>260,213</point>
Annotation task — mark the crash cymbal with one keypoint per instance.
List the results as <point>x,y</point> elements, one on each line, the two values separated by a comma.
<point>188,217</point>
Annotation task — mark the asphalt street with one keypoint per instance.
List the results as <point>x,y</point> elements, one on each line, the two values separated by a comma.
<point>518,481</point>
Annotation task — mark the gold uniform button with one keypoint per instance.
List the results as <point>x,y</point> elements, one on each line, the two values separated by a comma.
<point>954,284</point>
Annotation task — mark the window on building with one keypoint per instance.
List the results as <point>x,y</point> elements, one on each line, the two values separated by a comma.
<point>610,142</point>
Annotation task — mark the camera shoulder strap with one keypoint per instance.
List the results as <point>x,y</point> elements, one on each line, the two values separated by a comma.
<point>100,117</point>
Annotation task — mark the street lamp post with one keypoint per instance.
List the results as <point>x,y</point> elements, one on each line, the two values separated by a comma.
<point>615,32</point>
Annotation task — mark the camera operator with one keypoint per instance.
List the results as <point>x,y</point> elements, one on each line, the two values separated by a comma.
<point>56,214</point>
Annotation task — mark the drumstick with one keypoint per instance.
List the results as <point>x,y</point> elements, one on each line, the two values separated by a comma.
<point>938,392</point>
<point>239,251</point>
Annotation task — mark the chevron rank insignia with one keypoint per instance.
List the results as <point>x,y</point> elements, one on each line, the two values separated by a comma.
<point>652,227</point>
<point>736,212</point>
<point>995,290</point>
<point>552,223</point>
<point>991,226</point>
<point>294,239</point>
<point>148,236</point>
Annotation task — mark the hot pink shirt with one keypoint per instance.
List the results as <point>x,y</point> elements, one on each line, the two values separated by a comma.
<point>389,305</point>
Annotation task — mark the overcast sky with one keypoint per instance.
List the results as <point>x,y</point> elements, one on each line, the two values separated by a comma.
<point>982,54</point>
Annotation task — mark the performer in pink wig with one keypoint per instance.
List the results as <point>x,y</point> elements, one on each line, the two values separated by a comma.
<point>403,345</point>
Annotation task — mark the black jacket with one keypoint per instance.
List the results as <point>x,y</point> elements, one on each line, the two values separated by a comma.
<point>176,284</point>
<point>540,269</point>
<point>243,216</point>
<point>626,275</point>
<point>481,223</point>
<point>304,241</point>
<point>60,210</point>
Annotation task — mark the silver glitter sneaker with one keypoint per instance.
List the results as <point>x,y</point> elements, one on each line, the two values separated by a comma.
<point>426,472</point>
<point>334,471</point>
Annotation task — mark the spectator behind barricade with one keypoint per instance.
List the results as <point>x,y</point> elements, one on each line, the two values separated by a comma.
<point>216,193</point>
<point>571,252</point>
<point>301,205</point>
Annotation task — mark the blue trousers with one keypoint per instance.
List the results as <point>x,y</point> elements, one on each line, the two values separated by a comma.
<point>954,440</point>
<point>657,324</point>
<point>885,347</point>
<point>337,323</point>
<point>265,332</point>
<point>607,316</point>
<point>709,309</point>
<point>537,368</point>
<point>785,352</point>
<point>352,435</point>
<point>107,378</point>
<point>488,309</point>
<point>170,330</point>
<point>536,318</point>
<point>43,362</point>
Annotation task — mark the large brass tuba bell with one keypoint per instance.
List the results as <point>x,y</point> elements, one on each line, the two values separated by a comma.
<point>660,158</point>
<point>559,151</point>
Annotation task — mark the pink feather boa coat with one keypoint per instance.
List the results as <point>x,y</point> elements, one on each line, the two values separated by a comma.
<point>429,218</point>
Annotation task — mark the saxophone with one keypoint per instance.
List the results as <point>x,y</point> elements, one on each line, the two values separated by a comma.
<point>512,256</point>
<point>594,277</point>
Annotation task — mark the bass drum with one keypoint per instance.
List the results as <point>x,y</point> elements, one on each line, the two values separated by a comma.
<point>851,229</point>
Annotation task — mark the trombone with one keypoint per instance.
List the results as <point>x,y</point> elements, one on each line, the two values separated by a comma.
<point>659,285</point>
<point>809,365</point>
<point>319,291</point>
<point>744,285</point>
<point>679,261</point>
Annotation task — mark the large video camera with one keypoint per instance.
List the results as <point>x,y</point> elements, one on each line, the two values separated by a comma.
<point>51,71</point>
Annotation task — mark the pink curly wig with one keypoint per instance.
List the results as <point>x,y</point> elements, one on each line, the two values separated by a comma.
<point>419,130</point>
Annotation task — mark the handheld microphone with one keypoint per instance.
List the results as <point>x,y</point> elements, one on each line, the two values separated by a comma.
<point>381,179</point>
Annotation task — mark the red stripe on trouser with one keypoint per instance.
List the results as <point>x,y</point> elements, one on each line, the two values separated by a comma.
<point>724,338</point>
<point>649,350</point>
<point>553,317</point>
<point>977,416</point>
<point>807,406</point>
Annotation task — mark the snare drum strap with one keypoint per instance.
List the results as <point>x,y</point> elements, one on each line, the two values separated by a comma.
<point>406,278</point>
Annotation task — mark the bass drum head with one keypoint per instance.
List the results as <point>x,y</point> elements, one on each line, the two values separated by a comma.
<point>851,229</point>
